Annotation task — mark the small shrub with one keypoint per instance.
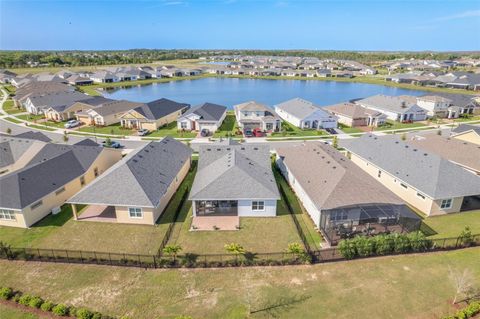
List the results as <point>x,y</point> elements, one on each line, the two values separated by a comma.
<point>83,313</point>
<point>9,130</point>
<point>98,315</point>
<point>365,246</point>
<point>347,249</point>
<point>35,302</point>
<point>17,297</point>
<point>402,244</point>
<point>384,244</point>
<point>24,300</point>
<point>6,293</point>
<point>466,237</point>
<point>60,310</point>
<point>47,306</point>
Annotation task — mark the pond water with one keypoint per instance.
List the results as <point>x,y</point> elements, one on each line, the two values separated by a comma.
<point>231,91</point>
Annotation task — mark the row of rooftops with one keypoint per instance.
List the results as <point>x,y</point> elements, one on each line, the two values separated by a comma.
<point>464,79</point>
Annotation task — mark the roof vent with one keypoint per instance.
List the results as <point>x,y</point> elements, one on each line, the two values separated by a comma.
<point>425,154</point>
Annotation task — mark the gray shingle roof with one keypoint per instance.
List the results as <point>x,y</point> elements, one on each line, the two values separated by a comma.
<point>32,135</point>
<point>159,108</point>
<point>115,107</point>
<point>429,173</point>
<point>12,148</point>
<point>397,104</point>
<point>208,111</point>
<point>234,172</point>
<point>300,108</point>
<point>332,180</point>
<point>465,128</point>
<point>58,100</point>
<point>40,178</point>
<point>140,179</point>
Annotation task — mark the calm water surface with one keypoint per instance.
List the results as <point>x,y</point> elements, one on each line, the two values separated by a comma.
<point>231,91</point>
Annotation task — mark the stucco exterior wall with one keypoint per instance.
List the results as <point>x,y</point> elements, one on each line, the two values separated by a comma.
<point>245,209</point>
<point>471,137</point>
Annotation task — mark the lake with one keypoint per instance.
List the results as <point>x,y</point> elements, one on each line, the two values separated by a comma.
<point>231,91</point>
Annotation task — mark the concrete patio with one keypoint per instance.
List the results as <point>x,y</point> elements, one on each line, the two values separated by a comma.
<point>212,223</point>
<point>98,213</point>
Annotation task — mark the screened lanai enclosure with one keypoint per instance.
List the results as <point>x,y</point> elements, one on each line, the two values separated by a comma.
<point>367,220</point>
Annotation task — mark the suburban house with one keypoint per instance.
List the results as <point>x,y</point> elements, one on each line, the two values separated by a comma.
<point>354,115</point>
<point>457,151</point>
<point>397,108</point>
<point>425,180</point>
<point>37,103</point>
<point>435,105</point>
<point>79,80</point>
<point>137,189</point>
<point>304,114</point>
<point>253,115</point>
<point>153,115</point>
<point>42,176</point>
<point>68,111</point>
<point>38,89</point>
<point>232,181</point>
<point>467,132</point>
<point>104,77</point>
<point>106,113</point>
<point>342,199</point>
<point>448,105</point>
<point>205,116</point>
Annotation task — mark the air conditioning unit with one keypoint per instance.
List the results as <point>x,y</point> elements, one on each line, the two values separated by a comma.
<point>56,210</point>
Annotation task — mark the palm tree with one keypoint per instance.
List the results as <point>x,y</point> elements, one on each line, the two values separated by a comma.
<point>172,250</point>
<point>236,249</point>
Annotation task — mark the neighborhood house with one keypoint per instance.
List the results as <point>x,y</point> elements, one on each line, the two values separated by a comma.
<point>253,115</point>
<point>402,108</point>
<point>354,115</point>
<point>304,114</point>
<point>207,116</point>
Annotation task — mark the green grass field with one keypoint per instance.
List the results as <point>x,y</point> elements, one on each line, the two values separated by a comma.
<point>289,130</point>
<point>452,225</point>
<point>348,129</point>
<point>7,312</point>
<point>10,108</point>
<point>228,126</point>
<point>392,125</point>
<point>408,286</point>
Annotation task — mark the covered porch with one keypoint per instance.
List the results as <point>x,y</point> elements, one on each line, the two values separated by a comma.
<point>215,208</point>
<point>96,213</point>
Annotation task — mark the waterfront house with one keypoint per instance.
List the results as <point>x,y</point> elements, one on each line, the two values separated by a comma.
<point>402,108</point>
<point>137,189</point>
<point>354,115</point>
<point>425,180</point>
<point>42,176</point>
<point>305,114</point>
<point>106,113</point>
<point>205,116</point>
<point>153,115</point>
<point>232,181</point>
<point>104,77</point>
<point>36,104</point>
<point>68,111</point>
<point>254,115</point>
<point>341,199</point>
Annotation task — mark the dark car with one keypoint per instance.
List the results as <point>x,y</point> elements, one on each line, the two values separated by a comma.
<point>331,130</point>
<point>111,144</point>
<point>248,132</point>
<point>204,132</point>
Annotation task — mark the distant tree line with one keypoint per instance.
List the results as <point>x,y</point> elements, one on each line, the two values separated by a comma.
<point>16,59</point>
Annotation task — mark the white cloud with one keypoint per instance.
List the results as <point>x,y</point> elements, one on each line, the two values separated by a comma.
<point>462,15</point>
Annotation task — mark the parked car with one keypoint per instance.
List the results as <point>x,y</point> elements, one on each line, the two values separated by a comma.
<point>111,144</point>
<point>204,132</point>
<point>258,132</point>
<point>72,124</point>
<point>143,132</point>
<point>248,132</point>
<point>331,130</point>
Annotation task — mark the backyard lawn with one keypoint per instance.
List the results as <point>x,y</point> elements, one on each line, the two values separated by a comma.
<point>405,286</point>
<point>62,232</point>
<point>171,130</point>
<point>7,312</point>
<point>291,130</point>
<point>452,225</point>
<point>10,108</point>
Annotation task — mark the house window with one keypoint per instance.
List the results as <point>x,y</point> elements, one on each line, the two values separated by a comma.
<point>183,125</point>
<point>421,195</point>
<point>135,212</point>
<point>61,190</point>
<point>258,205</point>
<point>95,171</point>
<point>379,174</point>
<point>7,214</point>
<point>82,181</point>
<point>403,185</point>
<point>269,126</point>
<point>37,204</point>
<point>446,203</point>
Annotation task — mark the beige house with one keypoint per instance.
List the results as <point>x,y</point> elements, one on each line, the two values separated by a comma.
<point>68,111</point>
<point>47,176</point>
<point>153,115</point>
<point>468,133</point>
<point>254,115</point>
<point>425,180</point>
<point>137,189</point>
<point>107,113</point>
<point>354,115</point>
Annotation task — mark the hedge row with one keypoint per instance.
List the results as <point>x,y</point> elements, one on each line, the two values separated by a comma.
<point>386,244</point>
<point>468,312</point>
<point>48,306</point>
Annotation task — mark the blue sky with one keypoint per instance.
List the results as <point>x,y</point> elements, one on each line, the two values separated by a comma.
<point>241,24</point>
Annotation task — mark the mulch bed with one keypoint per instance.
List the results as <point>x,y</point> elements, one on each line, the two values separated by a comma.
<point>38,312</point>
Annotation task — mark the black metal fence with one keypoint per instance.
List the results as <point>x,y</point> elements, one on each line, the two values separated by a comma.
<point>201,261</point>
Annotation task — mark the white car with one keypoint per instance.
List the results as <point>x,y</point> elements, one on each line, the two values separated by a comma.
<point>72,124</point>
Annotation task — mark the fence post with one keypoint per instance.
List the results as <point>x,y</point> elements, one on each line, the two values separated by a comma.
<point>66,253</point>
<point>54,259</point>
<point>81,257</point>
<point>154,261</point>
<point>110,257</point>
